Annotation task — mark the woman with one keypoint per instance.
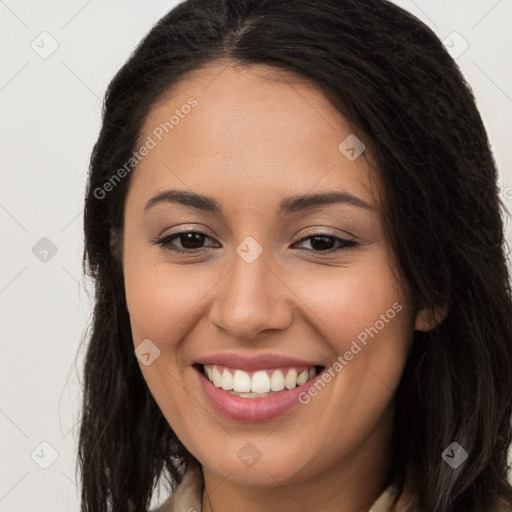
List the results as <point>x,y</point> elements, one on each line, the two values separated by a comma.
<point>302,299</point>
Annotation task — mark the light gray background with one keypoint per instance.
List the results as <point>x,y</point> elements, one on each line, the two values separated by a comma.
<point>50,118</point>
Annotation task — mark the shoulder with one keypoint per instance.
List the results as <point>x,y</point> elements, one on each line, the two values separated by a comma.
<point>187,496</point>
<point>387,500</point>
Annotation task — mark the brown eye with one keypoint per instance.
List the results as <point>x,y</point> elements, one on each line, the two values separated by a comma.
<point>323,243</point>
<point>191,241</point>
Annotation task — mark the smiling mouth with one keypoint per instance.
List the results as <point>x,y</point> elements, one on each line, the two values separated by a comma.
<point>260,383</point>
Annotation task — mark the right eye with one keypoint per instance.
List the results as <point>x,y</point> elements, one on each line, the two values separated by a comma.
<point>187,238</point>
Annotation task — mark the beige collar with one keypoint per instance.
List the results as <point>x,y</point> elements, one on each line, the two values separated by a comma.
<point>188,494</point>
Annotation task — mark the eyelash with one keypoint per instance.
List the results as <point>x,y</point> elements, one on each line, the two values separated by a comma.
<point>165,242</point>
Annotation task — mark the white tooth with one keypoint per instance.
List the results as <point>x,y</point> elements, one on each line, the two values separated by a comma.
<point>290,381</point>
<point>227,380</point>
<point>277,381</point>
<point>260,382</point>
<point>250,395</point>
<point>241,382</point>
<point>303,377</point>
<point>216,376</point>
<point>208,370</point>
<point>312,372</point>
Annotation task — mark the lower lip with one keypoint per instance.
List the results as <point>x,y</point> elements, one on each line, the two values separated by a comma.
<point>252,409</point>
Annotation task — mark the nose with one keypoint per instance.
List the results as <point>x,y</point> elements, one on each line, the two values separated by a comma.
<point>250,299</point>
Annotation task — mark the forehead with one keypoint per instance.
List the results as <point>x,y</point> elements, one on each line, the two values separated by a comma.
<point>248,130</point>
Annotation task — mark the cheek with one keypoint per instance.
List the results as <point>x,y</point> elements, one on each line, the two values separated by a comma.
<point>347,302</point>
<point>367,321</point>
<point>161,297</point>
<point>162,300</point>
<point>368,325</point>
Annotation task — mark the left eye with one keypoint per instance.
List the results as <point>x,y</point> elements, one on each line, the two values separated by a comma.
<point>191,242</point>
<point>319,240</point>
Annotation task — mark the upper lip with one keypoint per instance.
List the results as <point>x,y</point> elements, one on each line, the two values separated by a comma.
<point>256,362</point>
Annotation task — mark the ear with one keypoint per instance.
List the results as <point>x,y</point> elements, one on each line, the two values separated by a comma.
<point>426,320</point>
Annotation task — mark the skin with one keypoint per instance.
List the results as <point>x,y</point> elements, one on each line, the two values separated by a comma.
<point>255,137</point>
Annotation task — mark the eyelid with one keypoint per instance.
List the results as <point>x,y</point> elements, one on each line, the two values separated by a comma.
<point>322,231</point>
<point>187,229</point>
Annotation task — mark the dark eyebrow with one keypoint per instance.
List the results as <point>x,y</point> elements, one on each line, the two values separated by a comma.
<point>186,198</point>
<point>298,203</point>
<point>287,206</point>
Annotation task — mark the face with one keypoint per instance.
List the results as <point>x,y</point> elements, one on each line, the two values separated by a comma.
<point>271,290</point>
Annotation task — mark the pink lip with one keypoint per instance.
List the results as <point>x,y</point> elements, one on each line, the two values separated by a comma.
<point>256,362</point>
<point>252,409</point>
